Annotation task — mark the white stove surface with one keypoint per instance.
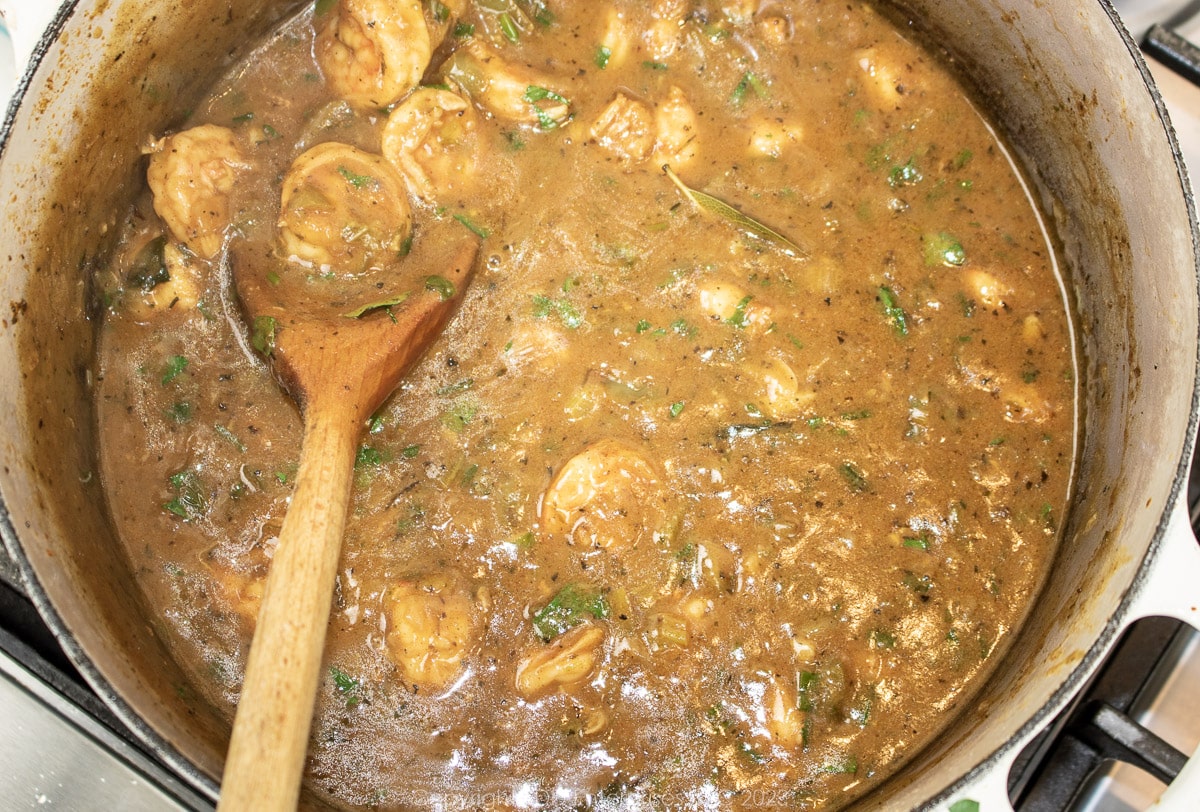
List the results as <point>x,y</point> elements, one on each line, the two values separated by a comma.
<point>1181,96</point>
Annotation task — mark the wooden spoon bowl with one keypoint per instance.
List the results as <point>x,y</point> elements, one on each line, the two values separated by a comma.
<point>339,367</point>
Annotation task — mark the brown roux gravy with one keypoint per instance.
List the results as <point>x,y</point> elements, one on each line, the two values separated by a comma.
<point>679,510</point>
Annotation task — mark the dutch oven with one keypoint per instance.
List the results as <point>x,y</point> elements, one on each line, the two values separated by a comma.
<point>1073,97</point>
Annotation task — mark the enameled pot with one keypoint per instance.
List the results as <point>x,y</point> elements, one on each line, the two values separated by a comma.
<point>1076,102</point>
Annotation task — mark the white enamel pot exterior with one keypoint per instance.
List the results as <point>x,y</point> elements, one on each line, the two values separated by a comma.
<point>1073,97</point>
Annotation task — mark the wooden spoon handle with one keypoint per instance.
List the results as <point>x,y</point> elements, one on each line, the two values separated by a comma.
<point>265,762</point>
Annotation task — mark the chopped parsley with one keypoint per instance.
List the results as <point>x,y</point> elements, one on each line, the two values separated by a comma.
<point>892,310</point>
<point>149,268</point>
<point>262,336</point>
<point>515,142</point>
<point>356,180</point>
<point>227,435</point>
<point>943,248</point>
<point>535,94</point>
<point>749,82</point>
<point>441,286</point>
<point>544,307</point>
<point>568,609</point>
<point>476,229</point>
<point>368,457</point>
<point>882,639</point>
<point>173,368</point>
<point>180,412</point>
<point>906,175</point>
<point>739,318</point>
<point>382,304</point>
<point>855,478</point>
<point>921,584</point>
<point>459,416</point>
<point>509,28</point>
<point>346,685</point>
<point>843,766</point>
<point>189,502</point>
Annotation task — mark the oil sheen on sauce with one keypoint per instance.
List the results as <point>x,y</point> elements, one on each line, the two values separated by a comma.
<point>687,507</point>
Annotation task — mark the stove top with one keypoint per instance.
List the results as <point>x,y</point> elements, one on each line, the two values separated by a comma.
<point>1113,750</point>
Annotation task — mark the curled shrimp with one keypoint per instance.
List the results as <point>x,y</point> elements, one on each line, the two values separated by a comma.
<point>781,394</point>
<point>608,494</point>
<point>344,208</point>
<point>615,39</point>
<point>676,125</point>
<point>433,623</point>
<point>191,174</point>
<point>562,662</point>
<point>373,51</point>
<point>625,129</point>
<point>431,137</point>
<point>507,90</point>
<point>665,34</point>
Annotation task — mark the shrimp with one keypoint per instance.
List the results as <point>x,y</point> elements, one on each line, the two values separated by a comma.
<point>606,495</point>
<point>781,395</point>
<point>769,137</point>
<point>785,721</point>
<point>724,301</point>
<point>242,584</point>
<point>507,90</point>
<point>373,51</point>
<point>243,593</point>
<point>739,12</point>
<point>537,345</point>
<point>433,625</point>
<point>344,208</point>
<point>165,275</point>
<point>665,34</point>
<point>625,129</point>
<point>565,661</point>
<point>432,139</point>
<point>884,79</point>
<point>191,174</point>
<point>987,289</point>
<point>675,129</point>
<point>614,42</point>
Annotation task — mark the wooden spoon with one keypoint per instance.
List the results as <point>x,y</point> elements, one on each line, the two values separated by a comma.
<point>339,369</point>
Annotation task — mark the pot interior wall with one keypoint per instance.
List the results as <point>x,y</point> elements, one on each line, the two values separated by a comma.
<point>116,72</point>
<point>1058,75</point>
<point>1069,91</point>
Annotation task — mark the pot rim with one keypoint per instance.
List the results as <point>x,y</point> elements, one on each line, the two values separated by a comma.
<point>172,757</point>
<point>1076,679</point>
